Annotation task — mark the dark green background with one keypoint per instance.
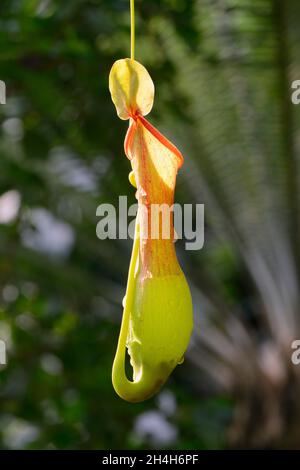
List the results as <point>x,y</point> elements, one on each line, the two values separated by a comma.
<point>223,71</point>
